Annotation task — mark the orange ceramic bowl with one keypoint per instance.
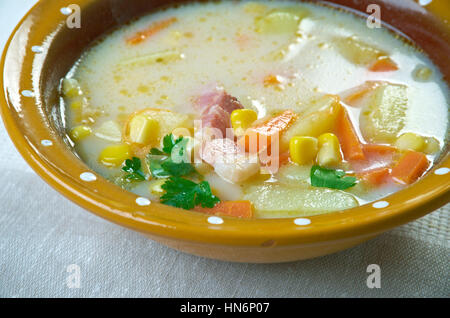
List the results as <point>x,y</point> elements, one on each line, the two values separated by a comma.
<point>43,48</point>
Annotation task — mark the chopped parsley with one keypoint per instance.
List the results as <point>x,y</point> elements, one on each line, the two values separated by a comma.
<point>329,178</point>
<point>186,194</point>
<point>133,168</point>
<point>169,161</point>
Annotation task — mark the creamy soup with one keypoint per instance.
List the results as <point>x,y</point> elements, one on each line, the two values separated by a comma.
<point>256,109</point>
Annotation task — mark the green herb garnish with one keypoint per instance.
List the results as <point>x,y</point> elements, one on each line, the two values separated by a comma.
<point>133,167</point>
<point>169,142</point>
<point>169,162</point>
<point>186,194</point>
<point>329,178</point>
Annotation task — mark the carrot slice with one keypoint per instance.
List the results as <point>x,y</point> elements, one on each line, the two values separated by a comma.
<point>263,134</point>
<point>350,144</point>
<point>376,176</point>
<point>384,64</point>
<point>241,209</point>
<point>141,36</point>
<point>410,167</point>
<point>376,149</point>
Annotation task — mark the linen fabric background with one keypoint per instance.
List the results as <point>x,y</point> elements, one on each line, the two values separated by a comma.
<point>42,234</point>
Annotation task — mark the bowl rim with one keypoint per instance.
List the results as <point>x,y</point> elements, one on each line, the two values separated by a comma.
<point>119,206</point>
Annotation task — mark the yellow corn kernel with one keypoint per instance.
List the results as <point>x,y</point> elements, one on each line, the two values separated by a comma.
<point>76,104</point>
<point>329,150</point>
<point>143,130</point>
<point>303,149</point>
<point>80,132</point>
<point>70,87</point>
<point>241,119</point>
<point>155,187</point>
<point>431,145</point>
<point>410,141</point>
<point>115,155</point>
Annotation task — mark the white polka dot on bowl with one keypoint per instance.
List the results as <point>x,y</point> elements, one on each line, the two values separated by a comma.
<point>46,143</point>
<point>88,176</point>
<point>27,93</point>
<point>142,201</point>
<point>302,221</point>
<point>215,220</point>
<point>65,11</point>
<point>441,171</point>
<point>380,204</point>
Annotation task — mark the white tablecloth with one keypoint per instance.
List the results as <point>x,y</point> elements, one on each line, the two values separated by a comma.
<point>42,235</point>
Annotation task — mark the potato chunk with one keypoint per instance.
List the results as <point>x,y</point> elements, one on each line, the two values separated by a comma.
<point>284,20</point>
<point>272,200</point>
<point>319,118</point>
<point>384,116</point>
<point>358,52</point>
<point>167,122</point>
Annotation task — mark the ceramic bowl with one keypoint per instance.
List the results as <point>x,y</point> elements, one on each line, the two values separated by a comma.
<point>43,48</point>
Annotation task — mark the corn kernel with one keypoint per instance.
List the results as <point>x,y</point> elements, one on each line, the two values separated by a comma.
<point>70,87</point>
<point>431,145</point>
<point>143,130</point>
<point>303,149</point>
<point>155,187</point>
<point>115,155</point>
<point>241,119</point>
<point>76,104</point>
<point>329,150</point>
<point>80,132</point>
<point>410,141</point>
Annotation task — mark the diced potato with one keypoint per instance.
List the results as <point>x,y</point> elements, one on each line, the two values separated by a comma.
<point>303,149</point>
<point>284,20</point>
<point>158,57</point>
<point>329,154</point>
<point>109,130</point>
<point>294,174</point>
<point>143,130</point>
<point>357,51</point>
<point>241,119</point>
<point>80,132</point>
<point>272,200</point>
<point>115,155</point>
<point>320,118</point>
<point>166,119</point>
<point>432,145</point>
<point>70,88</point>
<point>410,141</point>
<point>384,116</point>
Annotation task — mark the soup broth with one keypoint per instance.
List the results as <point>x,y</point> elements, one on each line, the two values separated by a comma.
<point>342,114</point>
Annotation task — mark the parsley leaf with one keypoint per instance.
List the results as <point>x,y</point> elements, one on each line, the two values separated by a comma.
<point>169,161</point>
<point>186,194</point>
<point>169,142</point>
<point>329,178</point>
<point>133,167</point>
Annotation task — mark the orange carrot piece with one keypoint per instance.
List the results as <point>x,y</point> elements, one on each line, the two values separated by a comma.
<point>241,209</point>
<point>410,167</point>
<point>141,36</point>
<point>376,176</point>
<point>384,64</point>
<point>350,144</point>
<point>263,134</point>
<point>376,149</point>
